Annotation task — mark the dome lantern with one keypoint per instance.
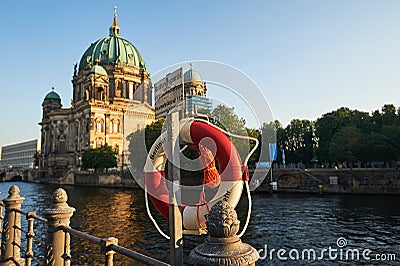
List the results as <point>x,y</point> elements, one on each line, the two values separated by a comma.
<point>115,29</point>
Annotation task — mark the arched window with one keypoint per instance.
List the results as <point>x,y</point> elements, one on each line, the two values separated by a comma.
<point>100,94</point>
<point>131,91</point>
<point>99,126</point>
<point>99,142</point>
<point>115,126</point>
<point>87,95</point>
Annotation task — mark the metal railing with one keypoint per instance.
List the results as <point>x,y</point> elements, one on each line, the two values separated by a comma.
<point>58,233</point>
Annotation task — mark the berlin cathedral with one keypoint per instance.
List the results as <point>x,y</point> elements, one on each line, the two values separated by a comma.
<point>110,76</point>
<point>110,79</point>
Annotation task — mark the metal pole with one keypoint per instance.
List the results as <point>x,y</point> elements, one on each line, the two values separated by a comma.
<point>271,170</point>
<point>175,217</point>
<point>183,94</point>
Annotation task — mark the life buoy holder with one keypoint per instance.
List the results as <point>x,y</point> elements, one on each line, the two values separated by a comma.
<point>200,134</point>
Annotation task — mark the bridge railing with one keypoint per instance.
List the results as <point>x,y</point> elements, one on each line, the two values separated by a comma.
<point>58,235</point>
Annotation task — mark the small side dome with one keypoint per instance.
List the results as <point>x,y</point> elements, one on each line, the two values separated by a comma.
<point>52,96</point>
<point>99,70</point>
<point>192,75</point>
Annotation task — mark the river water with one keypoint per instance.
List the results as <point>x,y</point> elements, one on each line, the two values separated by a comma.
<point>333,227</point>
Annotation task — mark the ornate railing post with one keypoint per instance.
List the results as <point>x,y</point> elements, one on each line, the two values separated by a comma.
<point>1,221</point>
<point>11,236</point>
<point>29,237</point>
<point>58,241</point>
<point>223,246</point>
<point>105,249</point>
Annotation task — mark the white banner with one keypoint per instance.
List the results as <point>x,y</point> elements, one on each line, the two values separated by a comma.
<point>165,84</point>
<point>160,87</point>
<point>175,78</point>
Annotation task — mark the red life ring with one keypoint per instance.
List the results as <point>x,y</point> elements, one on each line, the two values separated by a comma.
<point>230,168</point>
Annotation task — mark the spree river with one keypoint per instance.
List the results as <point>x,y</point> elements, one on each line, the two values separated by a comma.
<point>333,227</point>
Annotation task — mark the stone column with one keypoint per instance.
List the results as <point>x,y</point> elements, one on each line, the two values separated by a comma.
<point>11,236</point>
<point>223,246</point>
<point>58,241</point>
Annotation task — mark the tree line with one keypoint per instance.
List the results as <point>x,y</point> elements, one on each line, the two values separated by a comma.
<point>342,136</point>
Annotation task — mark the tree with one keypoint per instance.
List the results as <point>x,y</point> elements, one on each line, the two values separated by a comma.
<point>329,124</point>
<point>140,143</point>
<point>99,158</point>
<point>153,131</point>
<point>388,115</point>
<point>298,141</point>
<point>226,118</point>
<point>36,157</point>
<point>345,144</point>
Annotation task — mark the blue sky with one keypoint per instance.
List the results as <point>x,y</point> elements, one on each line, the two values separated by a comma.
<point>308,57</point>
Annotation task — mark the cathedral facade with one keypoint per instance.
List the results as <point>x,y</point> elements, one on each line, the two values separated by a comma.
<point>110,78</point>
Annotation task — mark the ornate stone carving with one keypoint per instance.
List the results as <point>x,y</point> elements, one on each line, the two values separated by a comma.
<point>223,246</point>
<point>222,221</point>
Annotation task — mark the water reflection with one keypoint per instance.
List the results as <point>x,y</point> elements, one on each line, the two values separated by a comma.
<point>279,221</point>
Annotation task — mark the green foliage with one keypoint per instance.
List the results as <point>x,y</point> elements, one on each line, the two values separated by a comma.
<point>36,157</point>
<point>298,141</point>
<point>345,144</point>
<point>99,158</point>
<point>226,118</point>
<point>153,131</point>
<point>351,135</point>
<point>140,143</point>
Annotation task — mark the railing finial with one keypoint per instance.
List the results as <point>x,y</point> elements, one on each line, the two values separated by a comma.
<point>223,246</point>
<point>13,192</point>
<point>11,234</point>
<point>58,241</point>
<point>60,198</point>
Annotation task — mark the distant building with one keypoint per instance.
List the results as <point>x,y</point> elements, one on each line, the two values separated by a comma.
<point>195,96</point>
<point>196,103</point>
<point>111,76</point>
<point>19,155</point>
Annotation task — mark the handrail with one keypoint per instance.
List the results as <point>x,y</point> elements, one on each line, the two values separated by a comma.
<point>90,238</point>
<point>58,234</point>
<point>34,216</point>
<point>121,250</point>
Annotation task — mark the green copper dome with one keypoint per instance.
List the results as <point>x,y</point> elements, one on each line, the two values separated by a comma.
<point>192,75</point>
<point>112,50</point>
<point>52,96</point>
